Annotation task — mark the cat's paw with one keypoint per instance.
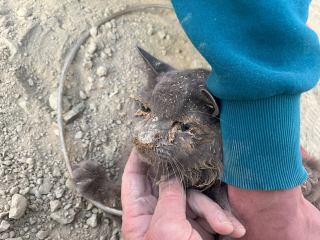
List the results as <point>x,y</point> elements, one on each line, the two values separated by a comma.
<point>92,182</point>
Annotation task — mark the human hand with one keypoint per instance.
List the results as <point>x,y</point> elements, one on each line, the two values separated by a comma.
<point>174,215</point>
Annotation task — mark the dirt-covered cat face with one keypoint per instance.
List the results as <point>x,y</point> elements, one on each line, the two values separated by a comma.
<point>176,129</point>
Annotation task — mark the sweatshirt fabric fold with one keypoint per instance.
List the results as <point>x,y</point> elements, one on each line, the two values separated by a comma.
<point>263,57</point>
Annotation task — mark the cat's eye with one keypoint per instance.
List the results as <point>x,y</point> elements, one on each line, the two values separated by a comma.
<point>184,127</point>
<point>145,109</point>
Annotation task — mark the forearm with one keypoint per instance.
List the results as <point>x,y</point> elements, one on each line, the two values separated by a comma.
<point>263,57</point>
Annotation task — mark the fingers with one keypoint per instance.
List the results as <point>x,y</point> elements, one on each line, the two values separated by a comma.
<point>211,217</point>
<point>169,219</point>
<point>136,195</point>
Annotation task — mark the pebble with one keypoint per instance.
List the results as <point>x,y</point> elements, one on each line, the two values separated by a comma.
<point>53,102</point>
<point>45,187</point>
<point>55,205</point>
<point>14,190</point>
<point>74,112</point>
<point>59,193</point>
<point>19,128</point>
<point>42,234</point>
<point>24,12</point>
<point>93,220</point>
<point>30,81</point>
<point>150,30</point>
<point>112,35</point>
<point>18,206</point>
<point>93,32</point>
<point>4,225</point>
<point>30,161</point>
<point>78,135</point>
<point>102,71</point>
<point>69,184</point>
<point>92,47</point>
<point>82,95</point>
<point>162,34</point>
<point>56,172</point>
<point>63,217</point>
<point>87,65</point>
<point>3,214</point>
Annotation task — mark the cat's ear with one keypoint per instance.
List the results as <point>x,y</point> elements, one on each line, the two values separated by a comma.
<point>156,65</point>
<point>211,100</point>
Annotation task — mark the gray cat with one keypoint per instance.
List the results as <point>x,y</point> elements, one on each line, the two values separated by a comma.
<point>176,131</point>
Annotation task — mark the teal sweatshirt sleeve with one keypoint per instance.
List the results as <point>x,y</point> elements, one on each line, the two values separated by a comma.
<point>262,57</point>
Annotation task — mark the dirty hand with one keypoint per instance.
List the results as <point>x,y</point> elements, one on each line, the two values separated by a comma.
<point>174,215</point>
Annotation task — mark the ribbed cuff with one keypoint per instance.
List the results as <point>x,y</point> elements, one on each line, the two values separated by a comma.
<point>261,143</point>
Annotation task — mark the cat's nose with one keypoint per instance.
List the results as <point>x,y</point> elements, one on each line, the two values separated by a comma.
<point>148,136</point>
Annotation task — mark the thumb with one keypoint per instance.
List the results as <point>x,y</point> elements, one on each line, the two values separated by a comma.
<point>172,200</point>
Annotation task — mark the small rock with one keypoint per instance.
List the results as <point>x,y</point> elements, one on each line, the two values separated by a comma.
<point>162,34</point>
<point>150,29</point>
<point>82,95</point>
<point>102,71</point>
<point>63,217</point>
<point>30,161</point>
<point>42,234</point>
<point>59,193</point>
<point>53,102</point>
<point>19,128</point>
<point>55,205</point>
<point>92,48</point>
<point>45,187</point>
<point>94,32</point>
<point>111,35</point>
<point>24,12</point>
<point>108,25</point>
<point>87,65</point>
<point>30,81</point>
<point>93,220</point>
<point>3,214</point>
<point>18,206</point>
<point>74,112</point>
<point>56,172</point>
<point>4,225</point>
<point>14,190</point>
<point>78,135</point>
<point>69,184</point>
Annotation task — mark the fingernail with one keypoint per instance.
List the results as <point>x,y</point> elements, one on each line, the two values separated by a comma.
<point>167,182</point>
<point>235,222</point>
<point>223,218</point>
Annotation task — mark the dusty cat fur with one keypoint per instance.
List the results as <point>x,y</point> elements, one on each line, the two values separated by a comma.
<point>176,130</point>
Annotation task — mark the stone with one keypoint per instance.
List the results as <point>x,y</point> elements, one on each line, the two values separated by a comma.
<point>4,225</point>
<point>55,205</point>
<point>82,95</point>
<point>93,32</point>
<point>42,234</point>
<point>162,34</point>
<point>56,172</point>
<point>14,190</point>
<point>63,217</point>
<point>59,193</point>
<point>88,65</point>
<point>102,71</point>
<point>93,220</point>
<point>24,12</point>
<point>69,184</point>
<point>78,135</point>
<point>74,112</point>
<point>3,214</point>
<point>92,47</point>
<point>45,187</point>
<point>53,102</point>
<point>18,206</point>
<point>30,161</point>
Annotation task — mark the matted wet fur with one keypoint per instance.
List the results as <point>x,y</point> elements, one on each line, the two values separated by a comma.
<point>176,131</point>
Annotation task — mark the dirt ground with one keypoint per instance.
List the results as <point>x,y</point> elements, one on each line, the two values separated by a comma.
<point>36,38</point>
